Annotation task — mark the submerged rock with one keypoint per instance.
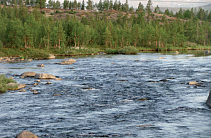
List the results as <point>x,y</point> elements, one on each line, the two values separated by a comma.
<point>40,65</point>
<point>28,74</point>
<point>44,76</point>
<point>208,102</point>
<point>68,62</point>
<point>26,134</point>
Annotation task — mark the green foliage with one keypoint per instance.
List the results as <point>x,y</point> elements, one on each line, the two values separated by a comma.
<point>128,50</point>
<point>3,83</point>
<point>36,53</point>
<point>58,11</point>
<point>43,12</point>
<point>10,52</point>
<point>111,51</point>
<point>51,13</point>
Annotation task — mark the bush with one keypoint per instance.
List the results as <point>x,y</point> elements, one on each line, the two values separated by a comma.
<point>111,51</point>
<point>51,13</point>
<point>36,53</point>
<point>57,11</point>
<point>10,52</point>
<point>3,83</point>
<point>128,50</point>
<point>43,12</point>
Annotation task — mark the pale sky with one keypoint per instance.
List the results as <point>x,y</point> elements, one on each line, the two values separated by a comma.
<point>161,3</point>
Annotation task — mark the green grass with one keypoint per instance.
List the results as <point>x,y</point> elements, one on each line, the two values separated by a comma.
<point>3,83</point>
<point>129,50</point>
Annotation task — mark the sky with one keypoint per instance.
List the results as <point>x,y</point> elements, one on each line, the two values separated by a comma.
<point>161,3</point>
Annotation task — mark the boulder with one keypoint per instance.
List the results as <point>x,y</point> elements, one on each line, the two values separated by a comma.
<point>44,76</point>
<point>40,65</point>
<point>68,62</point>
<point>15,86</point>
<point>192,83</point>
<point>208,102</point>
<point>22,90</point>
<point>26,134</point>
<point>57,79</point>
<point>51,56</point>
<point>28,74</point>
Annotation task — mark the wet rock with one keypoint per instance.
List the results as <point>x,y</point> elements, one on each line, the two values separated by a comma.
<point>51,56</point>
<point>208,102</point>
<point>34,91</point>
<point>142,99</point>
<point>48,82</point>
<point>40,65</point>
<point>44,76</point>
<point>37,81</point>
<point>26,134</point>
<point>192,83</point>
<point>161,57</point>
<point>147,125</point>
<point>164,80</point>
<point>176,52</point>
<point>35,84</point>
<point>68,62</point>
<point>22,90</point>
<point>20,86</point>
<point>152,81</point>
<point>56,94</point>
<point>136,60</point>
<point>57,79</point>
<point>28,74</point>
<point>15,86</point>
<point>29,60</point>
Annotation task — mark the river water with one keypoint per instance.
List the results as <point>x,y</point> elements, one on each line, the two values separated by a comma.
<point>105,96</point>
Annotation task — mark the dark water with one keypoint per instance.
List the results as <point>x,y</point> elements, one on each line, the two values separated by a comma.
<point>103,97</point>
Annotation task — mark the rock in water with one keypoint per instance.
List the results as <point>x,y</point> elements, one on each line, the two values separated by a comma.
<point>208,102</point>
<point>26,134</point>
<point>67,62</point>
<point>40,65</point>
<point>28,74</point>
<point>44,76</point>
<point>51,56</point>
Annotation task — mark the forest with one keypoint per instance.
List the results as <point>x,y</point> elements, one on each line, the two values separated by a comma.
<point>144,28</point>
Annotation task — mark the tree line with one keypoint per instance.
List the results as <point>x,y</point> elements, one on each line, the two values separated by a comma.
<point>20,29</point>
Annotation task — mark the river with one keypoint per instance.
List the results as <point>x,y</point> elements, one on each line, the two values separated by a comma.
<point>111,96</point>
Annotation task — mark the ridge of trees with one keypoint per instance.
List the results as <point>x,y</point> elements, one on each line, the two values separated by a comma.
<point>21,29</point>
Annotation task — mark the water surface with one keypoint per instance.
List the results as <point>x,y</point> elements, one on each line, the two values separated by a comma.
<point>103,96</point>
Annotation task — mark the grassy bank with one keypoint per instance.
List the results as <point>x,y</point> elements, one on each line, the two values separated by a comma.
<point>31,53</point>
<point>3,83</point>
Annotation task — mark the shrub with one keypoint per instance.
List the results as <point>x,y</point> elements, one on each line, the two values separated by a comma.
<point>111,51</point>
<point>43,12</point>
<point>3,83</point>
<point>51,13</point>
<point>128,50</point>
<point>57,11</point>
<point>36,53</point>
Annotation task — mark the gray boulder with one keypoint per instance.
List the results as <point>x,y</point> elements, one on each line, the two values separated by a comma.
<point>28,74</point>
<point>26,134</point>
<point>44,76</point>
<point>208,102</point>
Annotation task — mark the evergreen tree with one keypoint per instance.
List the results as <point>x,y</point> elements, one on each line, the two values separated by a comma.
<point>82,6</point>
<point>89,5</point>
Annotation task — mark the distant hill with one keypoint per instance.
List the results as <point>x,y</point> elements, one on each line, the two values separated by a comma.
<point>207,7</point>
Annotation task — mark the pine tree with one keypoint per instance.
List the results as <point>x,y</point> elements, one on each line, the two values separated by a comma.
<point>89,5</point>
<point>82,6</point>
<point>149,7</point>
